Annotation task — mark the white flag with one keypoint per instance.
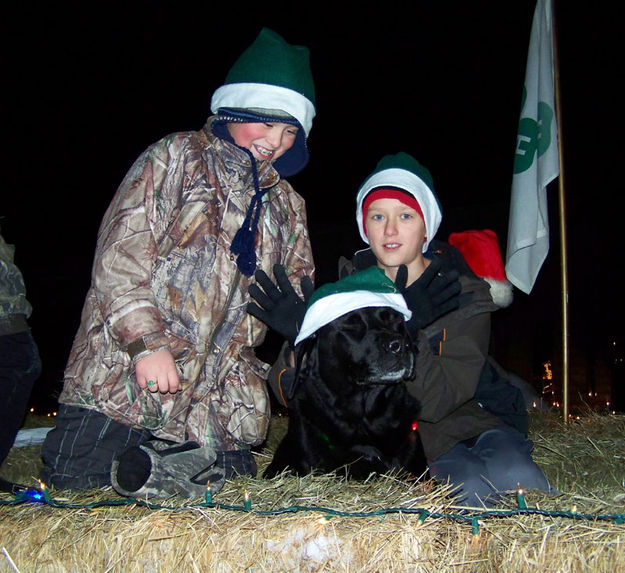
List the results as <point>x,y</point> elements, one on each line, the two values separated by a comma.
<point>535,160</point>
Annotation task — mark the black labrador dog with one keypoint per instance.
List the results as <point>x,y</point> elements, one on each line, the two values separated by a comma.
<point>350,408</point>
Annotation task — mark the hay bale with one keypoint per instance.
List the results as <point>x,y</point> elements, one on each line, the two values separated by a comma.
<point>288,528</point>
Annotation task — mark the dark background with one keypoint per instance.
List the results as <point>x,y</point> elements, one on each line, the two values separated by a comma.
<point>86,90</point>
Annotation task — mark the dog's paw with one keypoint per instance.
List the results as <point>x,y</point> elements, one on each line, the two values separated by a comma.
<point>274,471</point>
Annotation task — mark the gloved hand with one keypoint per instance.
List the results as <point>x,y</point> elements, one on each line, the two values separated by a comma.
<point>281,309</point>
<point>431,296</point>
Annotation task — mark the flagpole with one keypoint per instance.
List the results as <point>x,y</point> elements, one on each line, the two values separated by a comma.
<point>562,217</point>
<point>536,164</point>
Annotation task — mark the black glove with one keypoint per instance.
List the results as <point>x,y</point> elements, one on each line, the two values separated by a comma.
<point>431,296</point>
<point>281,309</point>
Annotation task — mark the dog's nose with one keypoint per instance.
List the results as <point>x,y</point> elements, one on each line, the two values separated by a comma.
<point>395,346</point>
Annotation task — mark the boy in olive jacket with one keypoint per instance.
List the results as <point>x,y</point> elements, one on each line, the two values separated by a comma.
<point>467,443</point>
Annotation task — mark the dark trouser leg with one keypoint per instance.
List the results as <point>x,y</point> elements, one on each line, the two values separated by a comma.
<point>235,462</point>
<point>499,460</point>
<point>465,472</point>
<point>19,368</point>
<point>78,453</point>
<point>508,458</point>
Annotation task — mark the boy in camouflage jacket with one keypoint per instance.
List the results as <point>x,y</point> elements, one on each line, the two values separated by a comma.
<point>162,390</point>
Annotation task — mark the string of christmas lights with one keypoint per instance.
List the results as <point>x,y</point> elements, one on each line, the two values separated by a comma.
<point>470,516</point>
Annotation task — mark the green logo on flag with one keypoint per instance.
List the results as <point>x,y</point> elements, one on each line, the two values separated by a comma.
<point>534,136</point>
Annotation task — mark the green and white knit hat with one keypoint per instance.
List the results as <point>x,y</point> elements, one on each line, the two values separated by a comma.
<point>402,171</point>
<point>270,75</point>
<point>368,288</point>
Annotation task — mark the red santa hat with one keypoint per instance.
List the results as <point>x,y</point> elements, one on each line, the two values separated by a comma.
<point>481,251</point>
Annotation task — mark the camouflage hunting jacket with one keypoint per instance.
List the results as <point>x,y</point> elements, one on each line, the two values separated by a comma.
<point>14,308</point>
<point>164,277</point>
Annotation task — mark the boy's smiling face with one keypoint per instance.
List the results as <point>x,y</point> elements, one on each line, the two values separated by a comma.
<point>396,233</point>
<point>266,141</point>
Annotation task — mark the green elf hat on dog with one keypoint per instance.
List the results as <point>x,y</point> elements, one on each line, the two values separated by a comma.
<point>367,288</point>
<point>401,177</point>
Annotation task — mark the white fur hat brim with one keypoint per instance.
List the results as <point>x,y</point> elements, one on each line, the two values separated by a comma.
<point>328,308</point>
<point>255,96</point>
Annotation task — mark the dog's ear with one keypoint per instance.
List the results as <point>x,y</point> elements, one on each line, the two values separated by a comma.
<point>305,362</point>
<point>308,377</point>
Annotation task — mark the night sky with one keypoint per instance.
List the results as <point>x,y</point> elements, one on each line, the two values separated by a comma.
<point>87,92</point>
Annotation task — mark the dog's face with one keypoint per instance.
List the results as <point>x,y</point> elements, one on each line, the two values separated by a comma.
<point>365,347</point>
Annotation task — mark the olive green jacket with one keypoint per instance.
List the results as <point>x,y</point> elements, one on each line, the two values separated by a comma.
<point>451,354</point>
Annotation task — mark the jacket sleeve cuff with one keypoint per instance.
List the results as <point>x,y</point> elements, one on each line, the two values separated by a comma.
<point>146,345</point>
